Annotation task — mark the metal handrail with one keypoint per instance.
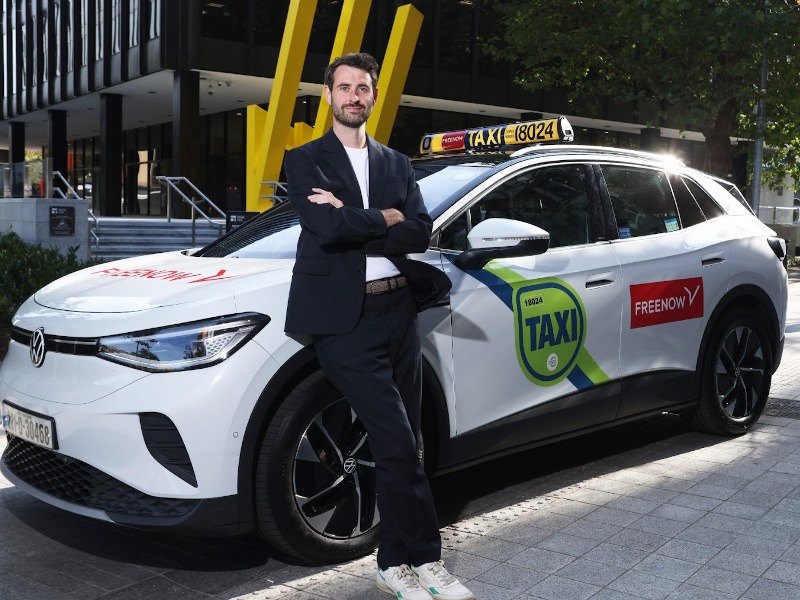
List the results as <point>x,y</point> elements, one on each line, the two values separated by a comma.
<point>791,219</point>
<point>172,183</point>
<point>72,191</point>
<point>276,186</point>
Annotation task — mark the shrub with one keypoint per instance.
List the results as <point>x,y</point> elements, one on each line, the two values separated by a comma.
<point>25,268</point>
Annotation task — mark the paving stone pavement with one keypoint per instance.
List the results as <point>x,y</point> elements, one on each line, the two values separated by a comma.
<point>668,515</point>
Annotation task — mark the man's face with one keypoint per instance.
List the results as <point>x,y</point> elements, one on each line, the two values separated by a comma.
<point>352,96</point>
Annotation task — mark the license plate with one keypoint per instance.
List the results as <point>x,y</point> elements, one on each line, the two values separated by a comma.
<point>36,429</point>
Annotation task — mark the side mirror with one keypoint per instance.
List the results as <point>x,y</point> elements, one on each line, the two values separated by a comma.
<point>501,238</point>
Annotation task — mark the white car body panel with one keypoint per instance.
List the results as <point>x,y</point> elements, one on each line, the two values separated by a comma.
<point>676,256</point>
<point>481,320</point>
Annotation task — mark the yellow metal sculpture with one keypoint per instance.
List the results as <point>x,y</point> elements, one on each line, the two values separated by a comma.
<point>265,148</point>
<point>349,35</point>
<point>396,63</point>
<point>270,133</point>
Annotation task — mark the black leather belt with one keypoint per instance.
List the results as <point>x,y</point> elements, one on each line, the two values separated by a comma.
<point>387,284</point>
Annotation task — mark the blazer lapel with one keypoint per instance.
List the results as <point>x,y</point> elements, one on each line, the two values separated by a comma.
<point>377,174</point>
<point>336,156</point>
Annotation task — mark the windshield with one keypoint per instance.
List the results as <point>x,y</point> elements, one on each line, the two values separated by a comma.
<point>274,233</point>
<point>437,187</point>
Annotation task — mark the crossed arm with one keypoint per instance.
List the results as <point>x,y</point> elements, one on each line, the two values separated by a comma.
<point>392,216</point>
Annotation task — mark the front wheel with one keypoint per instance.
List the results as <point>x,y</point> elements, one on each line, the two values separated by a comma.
<point>736,372</point>
<point>315,492</point>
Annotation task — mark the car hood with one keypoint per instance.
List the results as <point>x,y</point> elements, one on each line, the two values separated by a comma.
<point>157,280</point>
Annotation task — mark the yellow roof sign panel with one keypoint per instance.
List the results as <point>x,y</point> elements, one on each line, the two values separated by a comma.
<point>498,136</point>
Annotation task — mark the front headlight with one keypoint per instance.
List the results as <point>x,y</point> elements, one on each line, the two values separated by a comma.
<point>181,347</point>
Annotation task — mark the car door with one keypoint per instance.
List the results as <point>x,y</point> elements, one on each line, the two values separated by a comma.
<point>675,262</point>
<point>534,336</point>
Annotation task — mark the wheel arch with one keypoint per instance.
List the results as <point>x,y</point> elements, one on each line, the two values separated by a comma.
<point>435,419</point>
<point>292,372</point>
<point>751,298</point>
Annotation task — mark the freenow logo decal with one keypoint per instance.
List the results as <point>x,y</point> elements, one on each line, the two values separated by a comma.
<point>163,275</point>
<point>666,302</point>
<point>551,329</point>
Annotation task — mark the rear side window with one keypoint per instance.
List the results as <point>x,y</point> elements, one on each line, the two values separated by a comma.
<point>687,206</point>
<point>642,201</point>
<point>710,208</point>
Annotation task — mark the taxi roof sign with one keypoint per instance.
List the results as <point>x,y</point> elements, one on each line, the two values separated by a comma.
<point>498,136</point>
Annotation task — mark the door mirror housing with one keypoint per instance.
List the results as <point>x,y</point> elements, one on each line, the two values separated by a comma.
<point>501,238</point>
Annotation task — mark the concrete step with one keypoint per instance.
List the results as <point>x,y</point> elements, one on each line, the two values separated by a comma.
<point>126,237</point>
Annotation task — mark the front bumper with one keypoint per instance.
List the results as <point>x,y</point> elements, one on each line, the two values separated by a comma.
<point>79,488</point>
<point>115,456</point>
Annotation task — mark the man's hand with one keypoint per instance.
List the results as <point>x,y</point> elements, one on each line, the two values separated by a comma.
<point>321,196</point>
<point>392,216</point>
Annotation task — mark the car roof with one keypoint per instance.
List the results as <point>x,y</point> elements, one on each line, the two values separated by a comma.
<point>499,156</point>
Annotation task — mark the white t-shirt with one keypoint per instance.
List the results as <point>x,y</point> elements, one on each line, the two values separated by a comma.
<point>378,267</point>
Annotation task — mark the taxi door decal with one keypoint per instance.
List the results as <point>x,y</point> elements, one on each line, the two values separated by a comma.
<point>661,302</point>
<point>550,326</point>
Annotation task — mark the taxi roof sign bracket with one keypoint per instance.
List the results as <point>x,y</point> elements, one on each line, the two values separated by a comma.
<point>498,137</point>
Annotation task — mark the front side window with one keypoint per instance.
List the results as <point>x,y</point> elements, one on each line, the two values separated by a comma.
<point>642,201</point>
<point>553,198</point>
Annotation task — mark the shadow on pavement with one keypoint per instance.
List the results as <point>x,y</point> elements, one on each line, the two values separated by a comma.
<point>145,548</point>
<point>505,481</point>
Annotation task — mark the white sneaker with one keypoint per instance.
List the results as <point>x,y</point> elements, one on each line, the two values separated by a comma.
<point>439,583</point>
<point>401,582</point>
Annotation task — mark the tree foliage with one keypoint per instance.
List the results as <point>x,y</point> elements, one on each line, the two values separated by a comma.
<point>694,64</point>
<point>26,268</point>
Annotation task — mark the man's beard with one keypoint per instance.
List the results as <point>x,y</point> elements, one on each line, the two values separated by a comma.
<point>351,120</point>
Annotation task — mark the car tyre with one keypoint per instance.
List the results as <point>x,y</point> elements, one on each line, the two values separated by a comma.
<point>315,493</point>
<point>736,372</point>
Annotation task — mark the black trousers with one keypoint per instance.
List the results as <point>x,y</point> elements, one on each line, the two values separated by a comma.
<point>377,367</point>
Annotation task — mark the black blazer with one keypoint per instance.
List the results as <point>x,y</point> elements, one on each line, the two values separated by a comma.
<point>327,290</point>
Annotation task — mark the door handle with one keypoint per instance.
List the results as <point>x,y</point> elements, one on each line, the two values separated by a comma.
<point>600,279</point>
<point>713,259</point>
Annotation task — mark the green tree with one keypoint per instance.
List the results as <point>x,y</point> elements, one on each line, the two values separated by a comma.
<point>694,64</point>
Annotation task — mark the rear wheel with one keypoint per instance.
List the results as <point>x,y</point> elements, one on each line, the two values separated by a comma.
<point>315,480</point>
<point>736,373</point>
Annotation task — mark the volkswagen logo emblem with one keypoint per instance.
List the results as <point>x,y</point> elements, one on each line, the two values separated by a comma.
<point>37,347</point>
<point>350,465</point>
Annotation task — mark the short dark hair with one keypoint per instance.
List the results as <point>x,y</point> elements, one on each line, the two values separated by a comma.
<point>359,60</point>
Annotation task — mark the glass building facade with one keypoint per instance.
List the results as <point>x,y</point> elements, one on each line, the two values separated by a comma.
<point>77,69</point>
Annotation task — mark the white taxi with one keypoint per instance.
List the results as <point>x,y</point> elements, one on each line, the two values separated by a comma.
<point>591,286</point>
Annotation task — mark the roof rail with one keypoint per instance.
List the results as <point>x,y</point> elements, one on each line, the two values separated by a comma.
<point>582,149</point>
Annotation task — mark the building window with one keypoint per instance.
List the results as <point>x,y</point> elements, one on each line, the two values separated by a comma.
<point>22,26</point>
<point>45,45</point>
<point>116,26</point>
<point>224,20</point>
<point>6,80</point>
<point>270,18</point>
<point>455,34</point>
<point>85,32</point>
<point>323,29</point>
<point>133,18</point>
<point>33,41</point>
<point>66,14</point>
<point>81,161</point>
<point>98,31</point>
<point>155,19</point>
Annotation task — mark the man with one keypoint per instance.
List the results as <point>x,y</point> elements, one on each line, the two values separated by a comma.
<point>361,211</point>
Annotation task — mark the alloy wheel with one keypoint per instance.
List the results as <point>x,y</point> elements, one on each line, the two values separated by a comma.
<point>739,373</point>
<point>333,474</point>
